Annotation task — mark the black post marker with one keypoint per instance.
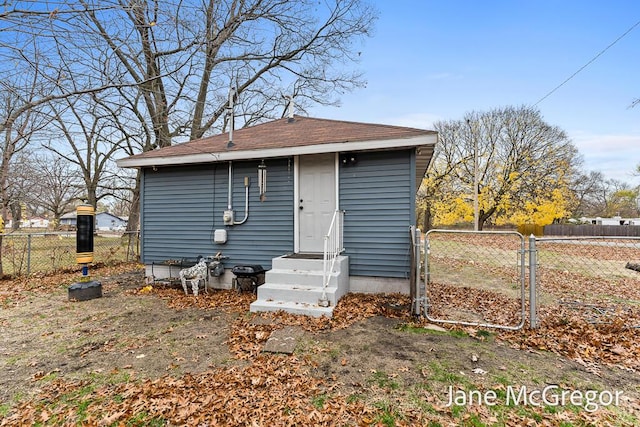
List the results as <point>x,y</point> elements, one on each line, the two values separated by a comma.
<point>86,288</point>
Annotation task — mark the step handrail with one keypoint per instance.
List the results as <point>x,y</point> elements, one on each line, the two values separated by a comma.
<point>333,247</point>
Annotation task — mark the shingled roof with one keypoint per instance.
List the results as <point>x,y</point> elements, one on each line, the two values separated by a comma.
<point>288,137</point>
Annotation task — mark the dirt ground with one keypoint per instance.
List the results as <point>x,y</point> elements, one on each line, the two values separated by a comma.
<point>46,334</point>
<point>159,333</point>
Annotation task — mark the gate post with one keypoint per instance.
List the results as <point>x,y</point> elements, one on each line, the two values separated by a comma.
<point>417,292</point>
<point>29,254</point>
<point>427,277</point>
<point>533,265</point>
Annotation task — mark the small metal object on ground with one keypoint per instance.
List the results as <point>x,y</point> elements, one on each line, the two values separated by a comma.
<point>82,291</point>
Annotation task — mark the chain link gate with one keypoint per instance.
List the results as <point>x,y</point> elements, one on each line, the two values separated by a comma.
<point>474,278</point>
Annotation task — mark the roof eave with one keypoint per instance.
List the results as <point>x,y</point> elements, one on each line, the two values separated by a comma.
<point>415,141</point>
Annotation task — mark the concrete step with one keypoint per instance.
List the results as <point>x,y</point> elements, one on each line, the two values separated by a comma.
<point>302,264</point>
<point>313,310</point>
<point>295,285</point>
<point>299,293</point>
<point>299,277</point>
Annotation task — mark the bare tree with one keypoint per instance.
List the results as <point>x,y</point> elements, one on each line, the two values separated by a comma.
<point>55,185</point>
<point>170,64</point>
<point>614,198</point>
<point>183,58</point>
<point>121,205</point>
<point>88,140</point>
<point>33,68</point>
<point>175,63</point>
<point>588,189</point>
<point>16,132</point>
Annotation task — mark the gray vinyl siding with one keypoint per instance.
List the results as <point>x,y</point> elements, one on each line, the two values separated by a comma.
<point>377,194</point>
<point>181,208</point>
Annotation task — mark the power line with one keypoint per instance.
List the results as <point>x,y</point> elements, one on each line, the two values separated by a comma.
<point>588,63</point>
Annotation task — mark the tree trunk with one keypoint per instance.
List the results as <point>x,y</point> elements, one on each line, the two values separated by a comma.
<point>92,193</point>
<point>427,220</point>
<point>483,217</point>
<point>16,215</point>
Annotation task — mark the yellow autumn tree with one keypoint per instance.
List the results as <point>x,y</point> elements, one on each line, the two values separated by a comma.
<point>541,211</point>
<point>452,211</point>
<point>523,166</point>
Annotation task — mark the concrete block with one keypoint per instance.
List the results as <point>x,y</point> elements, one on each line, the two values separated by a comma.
<point>82,291</point>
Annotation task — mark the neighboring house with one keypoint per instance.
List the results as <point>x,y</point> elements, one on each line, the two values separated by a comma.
<point>109,222</point>
<point>104,221</point>
<point>616,220</point>
<point>69,219</point>
<point>35,222</point>
<point>193,202</point>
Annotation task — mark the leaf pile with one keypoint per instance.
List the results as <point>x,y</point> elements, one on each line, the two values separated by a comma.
<point>228,301</point>
<point>448,302</point>
<point>247,338</point>
<point>350,309</point>
<point>273,390</point>
<point>586,333</point>
<point>611,337</point>
<point>249,334</point>
<point>563,283</point>
<point>281,390</point>
<point>610,250</point>
<point>14,290</point>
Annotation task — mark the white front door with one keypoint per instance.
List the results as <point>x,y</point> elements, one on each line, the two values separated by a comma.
<point>317,200</point>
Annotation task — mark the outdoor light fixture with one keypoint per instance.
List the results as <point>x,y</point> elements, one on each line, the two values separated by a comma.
<point>262,181</point>
<point>348,159</point>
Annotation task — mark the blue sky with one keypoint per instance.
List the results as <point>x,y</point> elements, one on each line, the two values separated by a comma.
<point>431,60</point>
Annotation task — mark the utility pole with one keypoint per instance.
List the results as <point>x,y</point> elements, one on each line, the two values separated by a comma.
<point>476,216</point>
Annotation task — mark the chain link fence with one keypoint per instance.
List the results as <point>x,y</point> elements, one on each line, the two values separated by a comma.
<point>475,279</point>
<point>485,278</point>
<point>29,253</point>
<point>594,278</point>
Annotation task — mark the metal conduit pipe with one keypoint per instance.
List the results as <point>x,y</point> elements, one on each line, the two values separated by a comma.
<point>230,188</point>
<point>246,202</point>
<point>230,197</point>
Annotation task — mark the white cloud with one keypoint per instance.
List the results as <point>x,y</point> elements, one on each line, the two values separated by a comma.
<point>616,156</point>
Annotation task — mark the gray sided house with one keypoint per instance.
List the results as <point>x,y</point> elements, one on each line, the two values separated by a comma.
<point>286,195</point>
<point>104,221</point>
<point>69,219</point>
<point>109,222</point>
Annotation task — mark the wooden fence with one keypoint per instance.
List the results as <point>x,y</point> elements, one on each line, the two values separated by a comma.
<point>592,230</point>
